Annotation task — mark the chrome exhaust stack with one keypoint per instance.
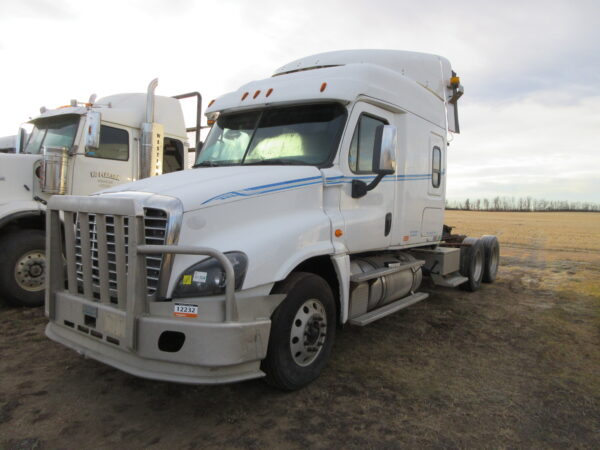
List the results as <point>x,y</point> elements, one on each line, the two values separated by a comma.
<point>151,138</point>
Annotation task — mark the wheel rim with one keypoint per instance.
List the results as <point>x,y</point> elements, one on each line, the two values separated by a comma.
<point>494,257</point>
<point>308,333</point>
<point>30,273</point>
<point>478,269</point>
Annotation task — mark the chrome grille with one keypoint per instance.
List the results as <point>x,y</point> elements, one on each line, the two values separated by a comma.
<point>155,233</point>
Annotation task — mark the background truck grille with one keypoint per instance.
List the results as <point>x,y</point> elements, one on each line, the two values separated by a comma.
<point>155,233</point>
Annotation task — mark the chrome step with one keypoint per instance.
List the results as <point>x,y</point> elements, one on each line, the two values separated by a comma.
<point>388,309</point>
<point>451,280</point>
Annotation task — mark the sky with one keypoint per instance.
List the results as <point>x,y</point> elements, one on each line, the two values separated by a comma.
<point>530,115</point>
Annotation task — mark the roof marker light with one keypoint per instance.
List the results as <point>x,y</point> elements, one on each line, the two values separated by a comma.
<point>323,87</point>
<point>244,96</point>
<point>211,103</point>
<point>256,94</point>
<point>269,92</point>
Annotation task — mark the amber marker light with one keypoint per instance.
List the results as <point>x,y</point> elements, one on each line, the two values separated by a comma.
<point>339,233</point>
<point>256,94</point>
<point>269,92</point>
<point>244,96</point>
<point>211,103</point>
<point>323,87</point>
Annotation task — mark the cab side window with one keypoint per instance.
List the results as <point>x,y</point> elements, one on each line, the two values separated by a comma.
<point>360,157</point>
<point>114,144</point>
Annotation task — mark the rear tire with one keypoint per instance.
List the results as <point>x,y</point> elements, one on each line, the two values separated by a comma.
<point>23,267</point>
<point>491,251</point>
<point>302,332</point>
<point>472,263</point>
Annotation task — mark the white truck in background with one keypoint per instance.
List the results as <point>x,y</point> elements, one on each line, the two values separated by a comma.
<point>317,201</point>
<point>8,144</point>
<point>80,149</point>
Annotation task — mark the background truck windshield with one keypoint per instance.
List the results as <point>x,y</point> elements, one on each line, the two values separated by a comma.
<point>52,132</point>
<point>306,135</point>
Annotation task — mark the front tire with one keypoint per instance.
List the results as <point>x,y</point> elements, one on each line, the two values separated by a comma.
<point>23,267</point>
<point>302,332</point>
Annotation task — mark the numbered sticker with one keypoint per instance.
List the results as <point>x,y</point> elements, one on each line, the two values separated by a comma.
<point>185,310</point>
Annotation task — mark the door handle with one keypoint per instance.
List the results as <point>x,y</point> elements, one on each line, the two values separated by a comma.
<point>388,223</point>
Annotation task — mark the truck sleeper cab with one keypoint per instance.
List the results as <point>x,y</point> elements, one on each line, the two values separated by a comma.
<point>317,201</point>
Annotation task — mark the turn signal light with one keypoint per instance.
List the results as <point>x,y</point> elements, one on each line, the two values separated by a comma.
<point>338,233</point>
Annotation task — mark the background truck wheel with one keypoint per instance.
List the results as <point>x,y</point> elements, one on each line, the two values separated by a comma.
<point>23,267</point>
<point>471,263</point>
<point>302,332</point>
<point>491,252</point>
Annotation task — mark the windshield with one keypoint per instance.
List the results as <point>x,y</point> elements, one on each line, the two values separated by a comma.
<point>306,135</point>
<point>52,132</point>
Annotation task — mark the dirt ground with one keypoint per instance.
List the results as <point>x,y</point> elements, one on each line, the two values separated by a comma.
<point>516,364</point>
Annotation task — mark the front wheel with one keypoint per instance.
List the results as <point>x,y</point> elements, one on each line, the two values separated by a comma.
<point>23,267</point>
<point>302,332</point>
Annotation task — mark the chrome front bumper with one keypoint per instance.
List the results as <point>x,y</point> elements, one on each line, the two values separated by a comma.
<point>211,352</point>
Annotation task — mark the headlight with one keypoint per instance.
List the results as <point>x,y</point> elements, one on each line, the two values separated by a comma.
<point>208,277</point>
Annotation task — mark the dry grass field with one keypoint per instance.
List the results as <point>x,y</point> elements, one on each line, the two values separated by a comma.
<point>564,246</point>
<point>514,365</point>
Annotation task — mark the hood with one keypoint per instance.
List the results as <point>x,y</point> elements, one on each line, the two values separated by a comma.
<point>17,177</point>
<point>210,186</point>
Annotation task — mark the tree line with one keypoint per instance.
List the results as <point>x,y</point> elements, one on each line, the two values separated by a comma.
<point>521,204</point>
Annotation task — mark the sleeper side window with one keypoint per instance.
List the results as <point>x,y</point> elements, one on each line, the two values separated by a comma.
<point>360,157</point>
<point>114,144</point>
<point>436,169</point>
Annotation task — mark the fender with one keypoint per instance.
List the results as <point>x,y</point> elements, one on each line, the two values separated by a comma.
<point>341,263</point>
<point>19,210</point>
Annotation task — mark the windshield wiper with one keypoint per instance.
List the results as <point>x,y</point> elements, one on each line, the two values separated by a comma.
<point>278,161</point>
<point>207,164</point>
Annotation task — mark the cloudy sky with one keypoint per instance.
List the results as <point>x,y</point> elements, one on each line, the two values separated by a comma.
<point>530,116</point>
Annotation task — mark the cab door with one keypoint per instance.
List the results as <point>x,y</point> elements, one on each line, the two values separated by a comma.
<point>111,164</point>
<point>367,220</point>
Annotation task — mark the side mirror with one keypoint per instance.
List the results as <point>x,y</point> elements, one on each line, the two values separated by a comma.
<point>92,131</point>
<point>384,159</point>
<point>384,150</point>
<point>24,132</point>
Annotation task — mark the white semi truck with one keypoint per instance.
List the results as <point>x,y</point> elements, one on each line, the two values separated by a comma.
<point>317,201</point>
<point>80,149</point>
<point>8,144</point>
